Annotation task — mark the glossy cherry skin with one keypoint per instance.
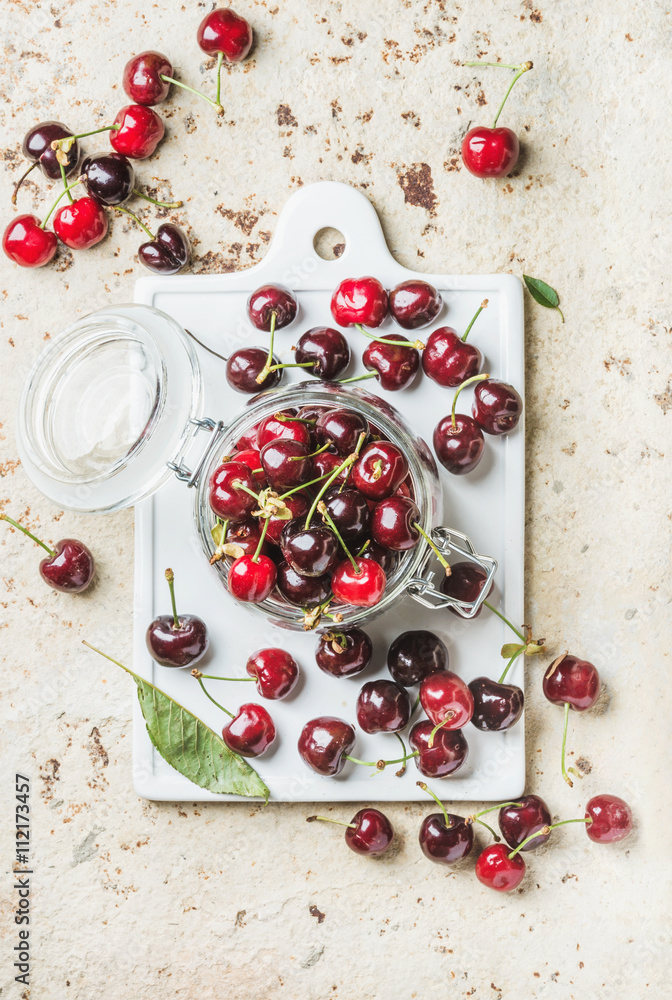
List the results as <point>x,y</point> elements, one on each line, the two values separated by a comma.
<point>446,844</point>
<point>447,753</point>
<point>108,177</point>
<point>458,448</point>
<point>465,584</point>
<point>139,132</point>
<point>383,707</point>
<point>392,523</point>
<point>142,77</point>
<point>517,823</point>
<point>446,698</point>
<point>415,304</point>
<point>349,511</point>
<point>326,463</point>
<point>380,470</point>
<point>286,463</point>
<point>82,224</point>
<point>415,655</point>
<point>385,557</point>
<point>343,652</point>
<point>27,244</point>
<point>363,587</point>
<point>303,591</point>
<point>569,679</point>
<point>312,551</point>
<point>37,147</point>
<point>395,365</point>
<point>496,706</point>
<point>359,300</point>
<point>324,743</point>
<point>251,732</point>
<point>490,152</point>
<point>168,253</point>
<point>611,819</point>
<point>281,426</point>
<point>326,349</point>
<point>252,582</point>
<point>495,869</point>
<point>449,361</point>
<point>242,368</point>
<point>227,499</point>
<point>252,459</point>
<point>341,428</point>
<point>268,300</point>
<point>246,534</point>
<point>372,833</point>
<point>275,671</point>
<point>497,407</point>
<point>297,506</point>
<point>248,439</point>
<point>224,31</point>
<point>71,568</point>
<point>177,647</point>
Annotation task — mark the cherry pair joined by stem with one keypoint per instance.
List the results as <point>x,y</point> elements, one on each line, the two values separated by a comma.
<point>37,148</point>
<point>369,832</point>
<point>176,640</point>
<point>251,731</point>
<point>493,152</point>
<point>68,566</point>
<point>274,671</point>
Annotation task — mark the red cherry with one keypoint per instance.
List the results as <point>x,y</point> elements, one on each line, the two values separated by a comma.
<point>252,458</point>
<point>383,707</point>
<point>340,428</point>
<point>27,244</point>
<point>343,652</point>
<point>363,586</point>
<point>393,523</point>
<point>446,700</point>
<point>415,304</point>
<point>611,819</point>
<point>228,494</point>
<point>250,732</point>
<point>370,833</point>
<point>326,463</point>
<point>569,680</point>
<point>143,77</point>
<point>490,152</point>
<point>69,566</point>
<point>224,31</point>
<point>281,426</point>
<point>252,581</point>
<point>270,301</point>
<point>465,584</point>
<point>324,744</point>
<point>82,224</point>
<point>497,870</point>
<point>497,406</point>
<point>448,360</point>
<point>248,439</point>
<point>447,754</point>
<point>359,300</point>
<point>246,534</point>
<point>459,446</point>
<point>519,821</point>
<point>380,470</point>
<point>276,672</point>
<point>393,362</point>
<point>138,131</point>
<point>297,506</point>
<point>176,640</point>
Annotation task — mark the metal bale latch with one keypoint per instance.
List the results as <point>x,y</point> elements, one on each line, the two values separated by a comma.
<point>184,474</point>
<point>447,541</point>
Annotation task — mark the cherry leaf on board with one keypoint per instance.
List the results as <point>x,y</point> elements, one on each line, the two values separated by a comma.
<point>543,293</point>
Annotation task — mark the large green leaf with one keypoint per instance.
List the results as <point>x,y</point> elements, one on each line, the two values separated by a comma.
<point>542,293</point>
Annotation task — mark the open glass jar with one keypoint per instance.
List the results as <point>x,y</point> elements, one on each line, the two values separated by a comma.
<point>113,407</point>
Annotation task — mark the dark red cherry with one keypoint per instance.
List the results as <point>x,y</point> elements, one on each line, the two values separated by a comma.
<point>246,534</point>
<point>325,349</point>
<point>252,459</point>
<point>496,706</point>
<point>70,568</point>
<point>276,672</point>
<point>458,447</point>
<point>224,31</point>
<point>312,411</point>
<point>137,131</point>
<point>443,842</point>
<point>244,365</point>
<point>349,511</point>
<point>252,581</point>
<point>447,753</point>
<point>380,470</point>
<point>176,640</point>
<point>370,833</point>
<point>286,463</point>
<point>343,652</point>
<point>282,426</point>
<point>448,360</point>
<point>383,707</point>
<point>384,557</point>
<point>251,731</point>
<point>327,463</point>
<point>415,655</point>
<point>446,699</point>
<point>341,428</point>
<point>490,152</point>
<point>310,552</point>
<point>394,364</point>
<point>82,224</point>
<point>38,149</point>
<point>324,743</point>
<point>497,870</point>
<point>392,523</point>
<point>268,301</point>
<point>518,822</point>
<point>465,583</point>
<point>229,486</point>
<point>415,304</point>
<point>143,77</point>
<point>363,587</point>
<point>611,819</point>
<point>497,407</point>
<point>27,244</point>
<point>573,681</point>
<point>168,252</point>
<point>108,177</point>
<point>297,505</point>
<point>248,439</point>
<point>303,591</point>
<point>359,300</point>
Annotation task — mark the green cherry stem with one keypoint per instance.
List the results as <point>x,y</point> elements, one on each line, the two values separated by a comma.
<point>572,770</point>
<point>510,664</point>
<point>327,819</point>
<point>311,482</point>
<point>346,464</point>
<point>380,765</point>
<point>299,458</point>
<point>483,305</point>
<point>65,182</point>
<point>322,508</point>
<point>505,620</point>
<point>303,364</point>
<point>15,524</point>
<point>417,344</point>
<point>262,537</point>
<point>153,201</point>
<point>178,83</point>
<point>426,788</point>
<point>131,215</point>
<point>357,378</point>
<point>545,830</point>
<point>67,142</point>
<point>216,677</point>
<point>484,812</point>
<point>198,675</point>
<point>523,68</point>
<point>220,60</point>
<point>487,826</point>
<point>433,547</point>
<point>66,190</point>
<point>468,381</point>
<point>170,577</point>
<point>439,725</point>
<point>265,371</point>
<point>363,548</point>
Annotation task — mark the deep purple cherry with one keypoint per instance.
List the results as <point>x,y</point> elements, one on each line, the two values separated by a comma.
<point>269,302</point>
<point>415,304</point>
<point>243,367</point>
<point>520,820</point>
<point>497,407</point>
<point>383,707</point>
<point>324,744</point>
<point>323,351</point>
<point>415,655</point>
<point>343,652</point>
<point>176,640</point>
<point>496,706</point>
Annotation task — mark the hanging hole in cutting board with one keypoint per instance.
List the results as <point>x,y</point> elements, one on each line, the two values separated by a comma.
<point>329,243</point>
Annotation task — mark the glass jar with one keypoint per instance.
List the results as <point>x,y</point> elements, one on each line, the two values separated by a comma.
<point>113,407</point>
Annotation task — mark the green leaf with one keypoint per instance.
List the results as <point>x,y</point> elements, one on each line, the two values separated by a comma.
<point>217,534</point>
<point>543,293</point>
<point>510,649</point>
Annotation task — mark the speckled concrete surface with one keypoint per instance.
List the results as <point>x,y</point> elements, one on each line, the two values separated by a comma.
<point>144,900</point>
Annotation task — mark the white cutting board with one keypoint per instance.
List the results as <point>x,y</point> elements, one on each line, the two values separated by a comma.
<point>488,505</point>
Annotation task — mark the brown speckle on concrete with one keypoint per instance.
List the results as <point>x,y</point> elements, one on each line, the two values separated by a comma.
<point>418,186</point>
<point>285,117</point>
<point>314,912</point>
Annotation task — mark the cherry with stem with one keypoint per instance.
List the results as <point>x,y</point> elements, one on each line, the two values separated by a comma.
<point>545,831</point>
<point>369,833</point>
<point>69,566</point>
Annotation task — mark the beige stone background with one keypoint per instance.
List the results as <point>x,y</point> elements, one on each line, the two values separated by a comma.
<point>135,899</point>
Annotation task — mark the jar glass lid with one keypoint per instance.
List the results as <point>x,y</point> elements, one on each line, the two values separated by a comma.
<point>107,406</point>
